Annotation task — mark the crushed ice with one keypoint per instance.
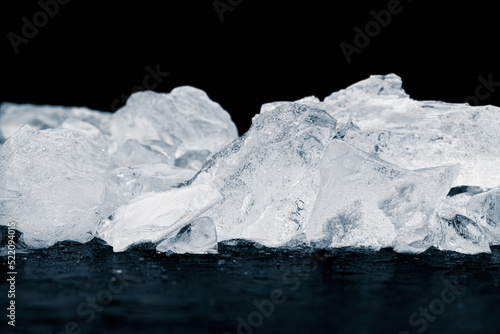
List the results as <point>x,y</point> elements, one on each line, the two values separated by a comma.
<point>366,167</point>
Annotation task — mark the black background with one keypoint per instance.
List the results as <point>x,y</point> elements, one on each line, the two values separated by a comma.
<point>92,52</point>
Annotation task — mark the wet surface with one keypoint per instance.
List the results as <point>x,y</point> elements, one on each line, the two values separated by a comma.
<point>74,288</point>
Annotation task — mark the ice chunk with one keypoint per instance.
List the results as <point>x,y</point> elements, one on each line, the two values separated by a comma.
<point>156,217</point>
<point>185,118</point>
<point>197,237</point>
<point>461,234</point>
<point>87,128</point>
<point>14,116</point>
<point>366,202</point>
<point>268,177</point>
<point>52,185</point>
<point>418,134</point>
<point>132,153</point>
<point>484,208</point>
<point>124,183</point>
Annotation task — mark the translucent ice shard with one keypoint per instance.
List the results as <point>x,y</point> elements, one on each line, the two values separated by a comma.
<point>14,116</point>
<point>417,134</point>
<point>268,177</point>
<point>52,185</point>
<point>461,234</point>
<point>366,202</point>
<point>185,118</point>
<point>125,183</point>
<point>156,217</point>
<point>484,208</point>
<point>197,237</point>
<point>192,159</point>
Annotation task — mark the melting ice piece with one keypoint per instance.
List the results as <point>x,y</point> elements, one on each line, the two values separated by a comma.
<point>156,217</point>
<point>461,234</point>
<point>366,202</point>
<point>124,183</point>
<point>484,208</point>
<point>52,185</point>
<point>185,118</point>
<point>417,134</point>
<point>132,153</point>
<point>197,237</point>
<point>14,116</point>
<point>268,177</point>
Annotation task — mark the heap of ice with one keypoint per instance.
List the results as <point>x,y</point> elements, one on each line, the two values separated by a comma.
<point>366,167</point>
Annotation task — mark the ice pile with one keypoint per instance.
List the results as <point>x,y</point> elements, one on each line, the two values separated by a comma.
<point>366,167</point>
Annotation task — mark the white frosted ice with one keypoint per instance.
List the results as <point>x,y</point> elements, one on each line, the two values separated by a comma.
<point>417,134</point>
<point>14,116</point>
<point>52,185</point>
<point>268,177</point>
<point>156,217</point>
<point>484,208</point>
<point>185,118</point>
<point>366,202</point>
<point>125,183</point>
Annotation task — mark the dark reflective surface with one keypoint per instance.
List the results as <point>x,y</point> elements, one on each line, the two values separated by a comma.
<point>73,288</point>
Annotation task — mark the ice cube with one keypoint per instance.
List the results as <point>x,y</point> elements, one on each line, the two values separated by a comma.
<point>185,118</point>
<point>52,185</point>
<point>197,237</point>
<point>461,234</point>
<point>268,177</point>
<point>156,217</point>
<point>364,201</point>
<point>484,208</point>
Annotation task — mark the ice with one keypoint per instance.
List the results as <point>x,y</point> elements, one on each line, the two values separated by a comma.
<point>52,185</point>
<point>14,116</point>
<point>185,118</point>
<point>125,183</point>
<point>197,237</point>
<point>484,208</point>
<point>268,177</point>
<point>461,234</point>
<point>192,159</point>
<point>171,218</point>
<point>417,134</point>
<point>149,152</point>
<point>364,201</point>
